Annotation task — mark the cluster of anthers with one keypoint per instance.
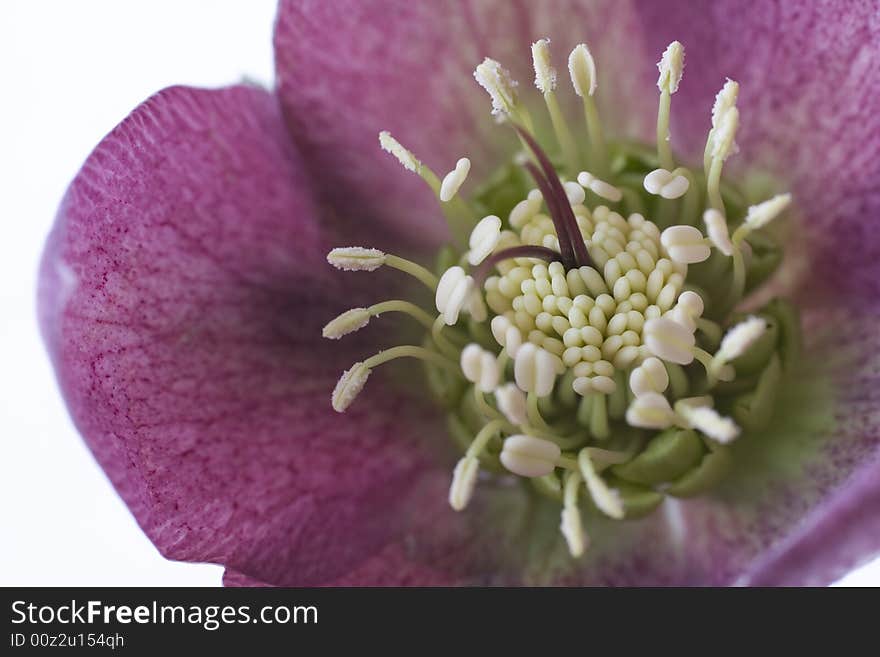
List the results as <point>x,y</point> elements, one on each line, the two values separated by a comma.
<point>576,343</point>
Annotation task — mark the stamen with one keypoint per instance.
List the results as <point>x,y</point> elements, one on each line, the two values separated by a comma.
<point>650,376</point>
<point>501,88</point>
<point>650,410</point>
<point>738,340</point>
<point>724,100</point>
<point>453,291</point>
<point>571,524</point>
<point>607,500</point>
<point>582,70</point>
<point>707,420</point>
<point>348,322</point>
<point>512,403</point>
<point>357,318</point>
<point>484,238</point>
<point>671,66</point>
<point>528,456</point>
<point>668,184</point>
<point>480,367</point>
<point>464,480</point>
<point>357,258</point>
<point>545,80</point>
<point>506,334</point>
<point>669,340</point>
<point>716,226</point>
<point>723,146</point>
<point>599,187</point>
<point>464,477</point>
<point>349,386</point>
<point>685,244</point>
<point>457,213</point>
<point>453,180</point>
<point>762,214</point>
<point>535,369</point>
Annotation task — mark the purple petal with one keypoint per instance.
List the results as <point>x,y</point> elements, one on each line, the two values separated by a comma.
<point>182,294</point>
<point>348,69</point>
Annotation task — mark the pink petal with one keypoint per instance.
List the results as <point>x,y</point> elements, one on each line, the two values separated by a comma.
<point>182,294</point>
<point>350,68</point>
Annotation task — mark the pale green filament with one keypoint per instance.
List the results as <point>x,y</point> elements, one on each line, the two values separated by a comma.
<point>598,161</point>
<point>664,150</point>
<point>563,134</point>
<point>404,307</point>
<point>573,481</point>
<point>482,439</point>
<point>440,340</point>
<point>411,351</point>
<point>459,215</point>
<point>713,185</point>
<point>599,418</point>
<point>413,269</point>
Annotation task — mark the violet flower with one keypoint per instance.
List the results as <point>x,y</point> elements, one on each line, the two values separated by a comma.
<point>184,289</point>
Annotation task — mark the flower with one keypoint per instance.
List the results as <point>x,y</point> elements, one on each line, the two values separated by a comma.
<point>184,289</point>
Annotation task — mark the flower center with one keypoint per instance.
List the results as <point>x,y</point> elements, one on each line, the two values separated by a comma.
<point>588,341</point>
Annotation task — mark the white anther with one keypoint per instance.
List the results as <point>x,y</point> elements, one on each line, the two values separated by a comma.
<point>512,403</point>
<point>574,192</point>
<point>599,187</point>
<point>348,322</point>
<point>572,529</point>
<point>738,339</point>
<point>669,340</point>
<point>454,179</point>
<point>484,238</point>
<point>762,214</point>
<point>528,456</point>
<point>724,100</point>
<point>692,303</point>
<point>603,384</point>
<point>688,309</point>
<point>717,427</point>
<point>480,367</point>
<point>650,376</point>
<point>535,369</point>
<point>685,244</point>
<point>716,227</point>
<point>391,145</point>
<point>523,211</point>
<point>349,386</point>
<point>723,143</point>
<point>453,292</point>
<point>607,499</point>
<point>501,88</point>
<point>464,479</point>
<point>666,184</point>
<point>650,411</point>
<point>582,70</point>
<point>545,74</point>
<point>356,258</point>
<point>671,66</point>
<point>582,385</point>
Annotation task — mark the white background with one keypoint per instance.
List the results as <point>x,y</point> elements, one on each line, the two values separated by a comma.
<point>70,72</point>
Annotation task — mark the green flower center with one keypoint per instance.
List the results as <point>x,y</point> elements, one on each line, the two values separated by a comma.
<point>588,339</point>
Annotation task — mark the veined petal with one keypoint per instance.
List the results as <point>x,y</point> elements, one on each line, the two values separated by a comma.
<point>182,293</point>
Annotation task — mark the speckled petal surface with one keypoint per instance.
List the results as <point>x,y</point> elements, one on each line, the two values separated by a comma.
<point>182,293</point>
<point>350,68</point>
